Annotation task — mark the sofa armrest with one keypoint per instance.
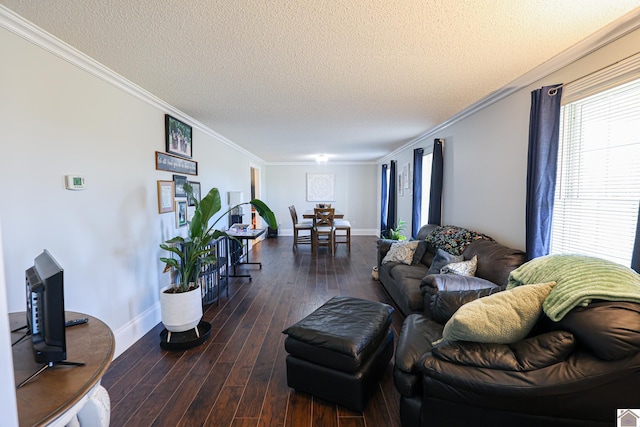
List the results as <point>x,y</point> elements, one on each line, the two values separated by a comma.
<point>442,305</point>
<point>416,336</point>
<point>383,247</point>
<point>432,283</point>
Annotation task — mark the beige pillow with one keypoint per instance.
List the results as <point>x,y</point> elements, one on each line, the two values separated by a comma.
<point>503,318</point>
<point>401,252</point>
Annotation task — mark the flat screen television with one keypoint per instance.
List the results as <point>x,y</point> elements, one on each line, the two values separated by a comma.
<point>45,309</point>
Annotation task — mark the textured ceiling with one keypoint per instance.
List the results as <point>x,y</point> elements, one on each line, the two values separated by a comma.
<point>355,79</point>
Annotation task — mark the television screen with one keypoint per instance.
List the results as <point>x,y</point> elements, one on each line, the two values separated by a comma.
<point>45,309</point>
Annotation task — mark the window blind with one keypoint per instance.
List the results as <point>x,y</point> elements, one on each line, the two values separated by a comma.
<point>598,181</point>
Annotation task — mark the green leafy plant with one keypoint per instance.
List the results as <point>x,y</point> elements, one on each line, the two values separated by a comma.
<point>397,233</point>
<point>195,252</point>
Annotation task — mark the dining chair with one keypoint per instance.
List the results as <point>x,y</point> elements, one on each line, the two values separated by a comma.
<point>323,228</point>
<point>302,230</point>
<point>342,233</point>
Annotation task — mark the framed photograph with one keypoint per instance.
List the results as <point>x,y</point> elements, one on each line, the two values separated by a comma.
<point>181,212</point>
<point>171,163</point>
<point>196,193</point>
<point>179,181</point>
<point>321,187</point>
<point>400,185</point>
<point>178,135</point>
<point>165,196</point>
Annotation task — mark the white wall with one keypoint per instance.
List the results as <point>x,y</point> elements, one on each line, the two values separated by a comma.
<point>356,187</point>
<point>57,119</point>
<point>485,155</point>
<point>7,381</point>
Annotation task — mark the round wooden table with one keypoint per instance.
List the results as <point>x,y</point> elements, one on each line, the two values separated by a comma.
<point>60,391</point>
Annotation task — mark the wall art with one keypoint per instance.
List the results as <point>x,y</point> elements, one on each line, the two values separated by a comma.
<point>178,137</point>
<point>321,187</point>
<point>170,163</point>
<point>181,212</point>
<point>165,196</point>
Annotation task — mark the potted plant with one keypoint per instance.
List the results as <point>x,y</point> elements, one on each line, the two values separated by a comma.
<point>397,233</point>
<point>181,302</point>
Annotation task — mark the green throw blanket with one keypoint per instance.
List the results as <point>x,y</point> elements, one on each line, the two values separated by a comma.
<point>580,279</point>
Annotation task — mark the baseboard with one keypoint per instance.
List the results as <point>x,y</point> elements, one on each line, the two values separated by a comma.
<point>128,334</point>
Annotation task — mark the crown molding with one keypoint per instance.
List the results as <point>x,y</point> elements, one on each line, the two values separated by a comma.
<point>610,33</point>
<point>19,26</point>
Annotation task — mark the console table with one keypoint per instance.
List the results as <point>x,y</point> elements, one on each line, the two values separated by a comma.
<point>236,260</point>
<point>57,394</point>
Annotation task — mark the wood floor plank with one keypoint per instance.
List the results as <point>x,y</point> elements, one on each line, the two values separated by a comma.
<point>238,376</point>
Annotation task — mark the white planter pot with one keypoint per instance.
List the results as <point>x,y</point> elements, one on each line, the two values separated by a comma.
<point>181,311</point>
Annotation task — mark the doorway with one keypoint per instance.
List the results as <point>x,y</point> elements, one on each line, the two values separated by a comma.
<point>255,194</point>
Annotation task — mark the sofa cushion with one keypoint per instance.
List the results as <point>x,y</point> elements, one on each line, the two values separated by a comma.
<point>453,239</point>
<point>495,261</point>
<point>441,259</point>
<point>402,252</point>
<point>462,268</point>
<point>502,318</point>
<point>526,355</point>
<point>401,271</point>
<point>611,330</point>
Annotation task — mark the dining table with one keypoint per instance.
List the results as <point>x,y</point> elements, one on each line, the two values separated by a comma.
<point>310,214</point>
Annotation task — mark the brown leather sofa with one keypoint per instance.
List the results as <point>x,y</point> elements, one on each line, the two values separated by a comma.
<point>404,282</point>
<point>575,372</point>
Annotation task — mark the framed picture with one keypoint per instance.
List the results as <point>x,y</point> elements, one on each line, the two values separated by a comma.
<point>196,193</point>
<point>171,163</point>
<point>406,175</point>
<point>178,136</point>
<point>181,212</point>
<point>179,181</point>
<point>165,196</point>
<point>321,187</point>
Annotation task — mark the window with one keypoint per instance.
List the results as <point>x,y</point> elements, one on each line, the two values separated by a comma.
<point>426,186</point>
<point>598,181</point>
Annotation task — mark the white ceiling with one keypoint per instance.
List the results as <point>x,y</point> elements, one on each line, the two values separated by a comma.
<point>288,79</point>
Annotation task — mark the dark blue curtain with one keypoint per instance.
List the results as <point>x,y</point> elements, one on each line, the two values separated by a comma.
<point>435,193</point>
<point>383,207</point>
<point>542,164</point>
<point>635,258</point>
<point>416,221</point>
<point>393,195</point>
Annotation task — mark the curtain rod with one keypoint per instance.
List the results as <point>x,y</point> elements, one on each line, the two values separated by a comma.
<point>554,90</point>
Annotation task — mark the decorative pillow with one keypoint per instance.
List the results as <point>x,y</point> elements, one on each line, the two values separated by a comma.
<point>441,259</point>
<point>419,253</point>
<point>453,239</point>
<point>502,318</point>
<point>401,252</point>
<point>462,268</point>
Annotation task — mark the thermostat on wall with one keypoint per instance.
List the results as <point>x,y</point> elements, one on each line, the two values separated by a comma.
<point>74,182</point>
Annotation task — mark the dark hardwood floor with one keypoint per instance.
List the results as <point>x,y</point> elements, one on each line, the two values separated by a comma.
<point>238,376</point>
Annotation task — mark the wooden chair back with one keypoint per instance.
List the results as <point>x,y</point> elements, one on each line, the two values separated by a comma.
<point>294,214</point>
<point>323,217</point>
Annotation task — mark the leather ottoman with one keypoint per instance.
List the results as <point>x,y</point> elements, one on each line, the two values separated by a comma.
<point>339,351</point>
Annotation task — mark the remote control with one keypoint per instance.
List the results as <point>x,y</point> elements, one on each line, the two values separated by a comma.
<point>75,322</point>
